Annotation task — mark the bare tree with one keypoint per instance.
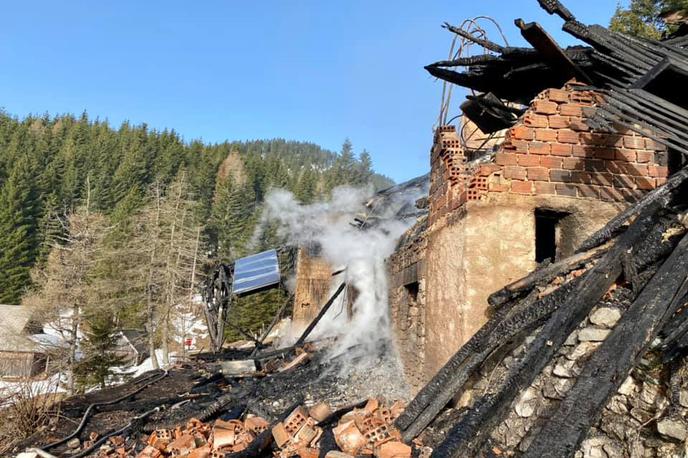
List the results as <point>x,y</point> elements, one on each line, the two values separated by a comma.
<point>65,282</point>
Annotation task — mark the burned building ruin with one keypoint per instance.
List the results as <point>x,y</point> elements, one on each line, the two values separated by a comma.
<point>539,304</point>
<point>583,355</point>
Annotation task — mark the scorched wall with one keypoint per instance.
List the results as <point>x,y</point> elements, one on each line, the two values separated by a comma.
<point>547,186</point>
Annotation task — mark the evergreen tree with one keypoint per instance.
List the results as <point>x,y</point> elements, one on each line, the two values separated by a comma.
<point>643,18</point>
<point>18,232</point>
<point>98,349</point>
<point>233,218</point>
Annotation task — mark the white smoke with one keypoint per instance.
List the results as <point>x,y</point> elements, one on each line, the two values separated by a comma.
<point>361,251</point>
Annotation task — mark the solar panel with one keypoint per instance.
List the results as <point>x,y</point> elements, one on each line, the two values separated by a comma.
<point>256,272</point>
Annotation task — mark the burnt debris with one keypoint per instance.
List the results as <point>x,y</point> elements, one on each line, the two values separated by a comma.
<point>638,263</point>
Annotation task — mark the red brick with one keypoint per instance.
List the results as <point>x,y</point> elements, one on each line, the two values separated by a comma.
<point>593,139</point>
<point>544,188</point>
<point>487,169</point>
<point>589,191</point>
<point>539,148</point>
<point>653,145</point>
<point>600,178</point>
<point>624,181</point>
<point>545,107</point>
<point>620,194</point>
<point>581,177</point>
<point>574,163</point>
<point>498,187</point>
<point>604,153</point>
<point>522,187</point>
<point>506,159</point>
<point>521,146</point>
<point>578,125</point>
<point>538,174</point>
<point>660,181</point>
<point>567,136</point>
<point>645,156</point>
<point>535,120</point>
<point>557,95</point>
<point>596,139</point>
<point>632,169</point>
<point>583,150</point>
<point>571,109</point>
<point>558,122</point>
<point>560,175</point>
<point>645,183</point>
<point>522,133</point>
<point>546,135</point>
<point>561,150</point>
<point>589,112</point>
<point>658,171</point>
<point>634,142</point>
<point>516,173</point>
<point>583,97</point>
<point>551,162</point>
<point>625,155</point>
<point>595,165</point>
<point>611,194</point>
<point>568,190</point>
<point>528,160</point>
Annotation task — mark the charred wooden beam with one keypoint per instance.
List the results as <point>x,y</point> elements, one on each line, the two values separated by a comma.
<point>555,7</point>
<point>544,275</point>
<point>660,196</point>
<point>612,362</point>
<point>487,44</point>
<point>510,326</point>
<point>550,50</point>
<point>272,324</point>
<point>469,434</point>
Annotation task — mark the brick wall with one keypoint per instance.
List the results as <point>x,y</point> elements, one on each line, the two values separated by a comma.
<point>550,151</point>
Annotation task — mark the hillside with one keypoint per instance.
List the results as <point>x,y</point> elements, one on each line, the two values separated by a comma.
<point>50,164</point>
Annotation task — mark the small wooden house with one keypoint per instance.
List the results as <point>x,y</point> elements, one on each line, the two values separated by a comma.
<point>20,356</point>
<point>132,346</point>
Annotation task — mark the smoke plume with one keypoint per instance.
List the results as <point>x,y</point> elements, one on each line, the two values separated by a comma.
<point>360,250</point>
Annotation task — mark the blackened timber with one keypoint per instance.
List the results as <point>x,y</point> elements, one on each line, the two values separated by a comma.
<point>466,61</point>
<point>272,324</point>
<point>469,434</point>
<point>510,327</point>
<point>612,362</point>
<point>487,44</point>
<point>661,195</point>
<point>550,50</point>
<point>322,313</point>
<point>555,7</point>
<point>544,275</point>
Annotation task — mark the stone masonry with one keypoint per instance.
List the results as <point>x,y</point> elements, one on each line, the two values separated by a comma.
<point>480,233</point>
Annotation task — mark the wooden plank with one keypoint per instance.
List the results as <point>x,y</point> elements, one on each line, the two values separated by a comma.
<point>612,362</point>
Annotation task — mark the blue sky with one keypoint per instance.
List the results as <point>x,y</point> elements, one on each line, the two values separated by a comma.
<point>309,70</point>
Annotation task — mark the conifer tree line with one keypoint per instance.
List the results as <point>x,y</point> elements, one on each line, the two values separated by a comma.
<point>116,227</point>
<point>648,18</point>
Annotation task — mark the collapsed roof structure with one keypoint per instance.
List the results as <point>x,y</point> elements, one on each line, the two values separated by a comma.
<point>636,265</point>
<point>577,358</point>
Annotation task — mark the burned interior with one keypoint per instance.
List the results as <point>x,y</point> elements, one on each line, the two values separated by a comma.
<point>538,302</point>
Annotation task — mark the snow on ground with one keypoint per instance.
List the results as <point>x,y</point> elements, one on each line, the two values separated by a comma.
<point>145,366</point>
<point>13,389</point>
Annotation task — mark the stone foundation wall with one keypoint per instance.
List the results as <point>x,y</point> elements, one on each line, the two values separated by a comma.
<point>647,417</point>
<point>407,302</point>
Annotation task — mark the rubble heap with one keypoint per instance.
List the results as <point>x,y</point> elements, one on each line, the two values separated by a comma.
<point>585,356</point>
